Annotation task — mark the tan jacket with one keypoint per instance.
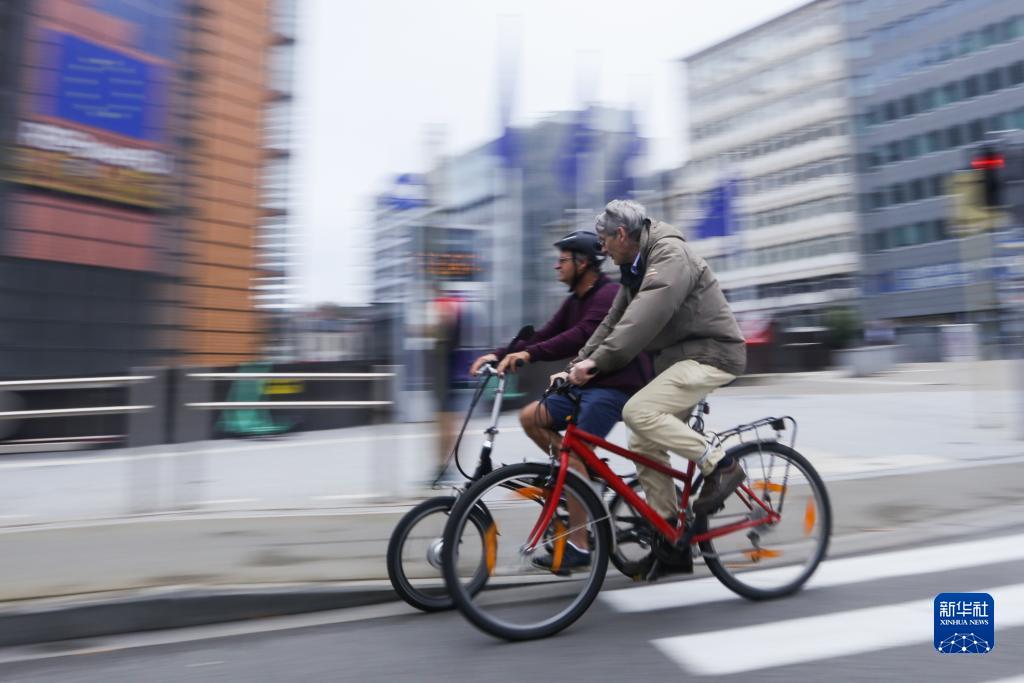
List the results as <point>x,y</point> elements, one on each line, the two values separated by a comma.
<point>678,313</point>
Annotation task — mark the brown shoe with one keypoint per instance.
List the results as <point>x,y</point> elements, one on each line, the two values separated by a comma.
<point>717,487</point>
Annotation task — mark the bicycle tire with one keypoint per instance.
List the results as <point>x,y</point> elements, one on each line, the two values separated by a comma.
<point>822,510</point>
<point>465,600</point>
<point>436,599</point>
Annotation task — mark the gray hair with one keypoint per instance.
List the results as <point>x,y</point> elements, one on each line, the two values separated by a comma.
<point>625,212</point>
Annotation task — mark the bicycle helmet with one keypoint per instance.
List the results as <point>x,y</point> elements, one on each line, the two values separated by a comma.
<point>583,242</point>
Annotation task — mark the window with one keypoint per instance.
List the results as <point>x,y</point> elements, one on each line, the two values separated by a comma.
<point>916,190</point>
<point>989,35</point>
<point>951,92</point>
<point>896,193</point>
<point>890,111</point>
<point>927,100</point>
<point>898,236</point>
<point>909,105</point>
<point>919,233</point>
<point>947,50</point>
<point>1015,27</point>
<point>893,151</point>
<point>936,186</point>
<point>972,87</point>
<point>1016,73</point>
<point>994,80</point>
<point>912,147</point>
<point>968,42</point>
<point>976,130</point>
<point>954,137</point>
<point>933,141</point>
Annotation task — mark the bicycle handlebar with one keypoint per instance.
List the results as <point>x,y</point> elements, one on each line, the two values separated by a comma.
<point>561,385</point>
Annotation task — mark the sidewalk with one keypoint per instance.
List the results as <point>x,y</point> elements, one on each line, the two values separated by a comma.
<point>921,416</point>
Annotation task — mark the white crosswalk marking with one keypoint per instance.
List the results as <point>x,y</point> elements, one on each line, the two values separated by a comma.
<point>830,573</point>
<point>809,639</point>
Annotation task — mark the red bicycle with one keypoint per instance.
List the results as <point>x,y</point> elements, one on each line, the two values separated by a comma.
<point>764,542</point>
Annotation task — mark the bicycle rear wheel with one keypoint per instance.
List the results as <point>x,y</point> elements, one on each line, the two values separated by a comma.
<point>770,560</point>
<point>522,599</point>
<point>414,554</point>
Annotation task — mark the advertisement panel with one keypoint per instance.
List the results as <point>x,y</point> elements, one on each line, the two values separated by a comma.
<point>91,143</point>
<point>95,124</point>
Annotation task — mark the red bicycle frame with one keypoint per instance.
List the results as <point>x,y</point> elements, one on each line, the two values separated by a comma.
<point>579,442</point>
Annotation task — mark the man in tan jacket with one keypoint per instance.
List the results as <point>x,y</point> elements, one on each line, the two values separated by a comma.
<point>671,306</point>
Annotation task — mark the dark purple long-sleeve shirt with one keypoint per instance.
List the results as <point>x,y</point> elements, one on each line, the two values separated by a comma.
<point>569,329</point>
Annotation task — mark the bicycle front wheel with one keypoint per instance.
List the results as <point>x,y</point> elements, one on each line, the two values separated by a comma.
<point>414,554</point>
<point>760,559</point>
<point>530,592</point>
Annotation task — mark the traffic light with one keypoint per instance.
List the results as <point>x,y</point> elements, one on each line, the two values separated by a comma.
<point>991,163</point>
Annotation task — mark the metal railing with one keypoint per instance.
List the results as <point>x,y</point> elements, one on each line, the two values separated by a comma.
<point>278,405</point>
<point>157,414</point>
<point>74,383</point>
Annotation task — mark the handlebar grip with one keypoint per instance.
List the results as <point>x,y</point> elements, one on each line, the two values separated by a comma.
<point>520,362</point>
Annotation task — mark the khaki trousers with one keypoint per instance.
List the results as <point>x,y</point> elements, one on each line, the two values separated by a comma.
<point>651,416</point>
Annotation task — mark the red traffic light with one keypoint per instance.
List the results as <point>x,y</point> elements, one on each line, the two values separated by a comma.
<point>988,161</point>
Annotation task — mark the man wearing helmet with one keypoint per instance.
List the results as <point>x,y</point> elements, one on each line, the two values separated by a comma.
<point>591,294</point>
<point>671,306</point>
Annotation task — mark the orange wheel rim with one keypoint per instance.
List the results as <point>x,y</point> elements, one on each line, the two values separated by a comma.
<point>558,551</point>
<point>810,516</point>
<point>531,492</point>
<point>762,485</point>
<point>762,554</point>
<point>491,548</point>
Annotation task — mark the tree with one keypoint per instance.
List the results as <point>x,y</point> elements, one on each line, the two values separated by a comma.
<point>844,327</point>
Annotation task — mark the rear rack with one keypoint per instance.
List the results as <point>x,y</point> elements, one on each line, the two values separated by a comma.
<point>741,432</point>
<point>751,431</point>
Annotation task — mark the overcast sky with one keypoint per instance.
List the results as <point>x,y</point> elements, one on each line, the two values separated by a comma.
<point>374,77</point>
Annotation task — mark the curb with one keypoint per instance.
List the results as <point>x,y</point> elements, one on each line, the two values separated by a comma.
<point>32,622</point>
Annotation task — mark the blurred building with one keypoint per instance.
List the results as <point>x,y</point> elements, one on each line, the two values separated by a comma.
<point>227,45</point>
<point>772,159</point>
<point>275,288</point>
<point>932,80</point>
<point>481,225</point>
<point>330,333</point>
<point>134,149</point>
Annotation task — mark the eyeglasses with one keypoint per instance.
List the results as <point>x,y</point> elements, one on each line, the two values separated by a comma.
<point>603,239</point>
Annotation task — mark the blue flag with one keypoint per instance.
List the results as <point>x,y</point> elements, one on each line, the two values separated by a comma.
<point>719,212</point>
<point>620,182</point>
<point>571,158</point>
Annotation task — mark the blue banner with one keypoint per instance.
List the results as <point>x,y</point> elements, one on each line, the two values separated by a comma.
<point>719,212</point>
<point>105,89</point>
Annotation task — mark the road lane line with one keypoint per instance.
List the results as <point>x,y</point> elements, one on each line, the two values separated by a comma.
<point>808,639</point>
<point>860,569</point>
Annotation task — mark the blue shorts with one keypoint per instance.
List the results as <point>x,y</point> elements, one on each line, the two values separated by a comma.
<point>600,409</point>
